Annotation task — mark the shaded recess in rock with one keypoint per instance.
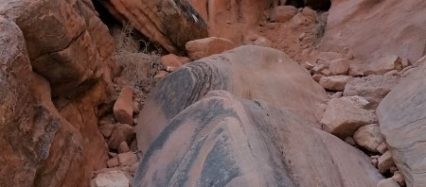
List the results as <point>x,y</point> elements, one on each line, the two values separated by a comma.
<point>321,5</point>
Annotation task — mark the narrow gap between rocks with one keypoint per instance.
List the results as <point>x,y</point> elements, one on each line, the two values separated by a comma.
<point>319,5</point>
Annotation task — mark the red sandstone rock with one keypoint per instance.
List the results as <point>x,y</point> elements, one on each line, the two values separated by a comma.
<point>120,133</point>
<point>168,23</point>
<point>172,60</point>
<point>123,107</point>
<point>208,46</point>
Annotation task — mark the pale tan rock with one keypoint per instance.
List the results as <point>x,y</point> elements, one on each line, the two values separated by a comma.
<point>388,183</point>
<point>123,147</point>
<point>168,23</point>
<point>208,46</point>
<point>114,178</point>
<point>334,83</point>
<point>398,177</point>
<point>342,118</point>
<point>382,148</point>
<point>262,41</point>
<point>123,107</point>
<point>402,119</point>
<point>172,60</point>
<point>385,64</point>
<point>339,66</point>
<point>127,159</point>
<point>318,68</point>
<point>369,137</point>
<point>374,87</point>
<point>372,38</point>
<point>283,13</point>
<point>358,100</point>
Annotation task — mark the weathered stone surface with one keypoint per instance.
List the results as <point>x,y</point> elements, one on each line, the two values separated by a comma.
<point>113,178</point>
<point>399,178</point>
<point>222,141</point>
<point>250,72</point>
<point>339,66</point>
<point>75,50</point>
<point>402,118</point>
<point>385,64</point>
<point>168,23</point>
<point>123,147</point>
<point>172,60</point>
<point>231,19</point>
<point>342,118</point>
<point>374,87</point>
<point>283,13</point>
<point>369,137</point>
<point>127,159</point>
<point>334,83</point>
<point>374,29</point>
<point>208,46</point>
<point>40,147</point>
<point>388,183</point>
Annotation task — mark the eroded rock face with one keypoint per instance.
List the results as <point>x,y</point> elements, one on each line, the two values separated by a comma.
<point>387,28</point>
<point>231,19</point>
<point>250,72</point>
<point>66,41</point>
<point>34,137</point>
<point>168,23</point>
<point>69,49</point>
<point>402,120</point>
<point>223,141</point>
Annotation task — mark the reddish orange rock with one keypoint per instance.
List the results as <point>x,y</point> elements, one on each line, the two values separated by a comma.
<point>123,107</point>
<point>172,60</point>
<point>208,46</point>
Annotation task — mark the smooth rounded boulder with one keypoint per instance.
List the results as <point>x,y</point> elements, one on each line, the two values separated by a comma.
<point>224,141</point>
<point>402,119</point>
<point>250,72</point>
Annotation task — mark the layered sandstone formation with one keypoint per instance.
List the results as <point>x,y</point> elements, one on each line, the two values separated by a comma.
<point>115,93</point>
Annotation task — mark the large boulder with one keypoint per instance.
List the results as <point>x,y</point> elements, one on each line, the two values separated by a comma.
<point>66,41</point>
<point>168,23</point>
<point>39,146</point>
<point>46,143</point>
<point>376,29</point>
<point>224,141</point>
<point>402,120</point>
<point>250,72</point>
